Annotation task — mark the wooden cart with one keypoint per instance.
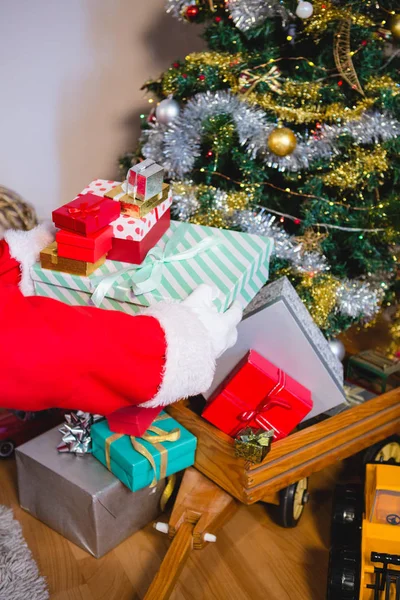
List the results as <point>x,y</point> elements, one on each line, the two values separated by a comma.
<point>281,478</point>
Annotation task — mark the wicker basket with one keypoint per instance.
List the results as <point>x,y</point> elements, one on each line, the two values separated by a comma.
<point>15,213</point>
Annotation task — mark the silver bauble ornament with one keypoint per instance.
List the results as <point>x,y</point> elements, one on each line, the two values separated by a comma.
<point>304,10</point>
<point>167,110</point>
<point>338,349</point>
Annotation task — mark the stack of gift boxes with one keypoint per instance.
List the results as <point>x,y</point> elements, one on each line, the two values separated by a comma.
<point>148,259</point>
<point>121,222</point>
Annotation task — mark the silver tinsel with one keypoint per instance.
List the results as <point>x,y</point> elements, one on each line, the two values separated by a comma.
<point>178,145</point>
<point>358,298</point>
<point>262,223</point>
<point>177,7</point>
<point>247,14</point>
<point>185,204</point>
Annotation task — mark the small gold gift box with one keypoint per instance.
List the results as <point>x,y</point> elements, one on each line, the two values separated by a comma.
<point>253,444</point>
<point>49,259</point>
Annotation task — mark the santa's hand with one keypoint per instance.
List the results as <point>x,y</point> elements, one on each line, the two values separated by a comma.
<point>221,328</point>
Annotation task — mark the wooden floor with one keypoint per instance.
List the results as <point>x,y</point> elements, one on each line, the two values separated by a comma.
<point>253,559</point>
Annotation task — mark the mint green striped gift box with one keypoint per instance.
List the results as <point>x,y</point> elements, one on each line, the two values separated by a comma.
<point>235,264</point>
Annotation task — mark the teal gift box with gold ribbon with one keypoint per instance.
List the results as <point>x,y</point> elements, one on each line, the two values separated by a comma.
<point>163,450</point>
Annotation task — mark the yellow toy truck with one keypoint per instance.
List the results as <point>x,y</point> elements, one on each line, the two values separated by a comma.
<point>365,538</point>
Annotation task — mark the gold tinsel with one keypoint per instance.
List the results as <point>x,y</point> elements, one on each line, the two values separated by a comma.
<point>310,114</point>
<point>381,83</point>
<point>325,12</point>
<point>323,293</point>
<point>302,102</point>
<point>223,60</point>
<point>356,171</point>
<point>212,218</point>
<point>305,91</point>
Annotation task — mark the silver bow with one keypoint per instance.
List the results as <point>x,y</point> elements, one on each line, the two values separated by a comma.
<point>76,438</point>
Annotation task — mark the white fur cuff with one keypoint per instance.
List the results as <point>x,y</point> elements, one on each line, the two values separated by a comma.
<point>25,247</point>
<point>190,359</point>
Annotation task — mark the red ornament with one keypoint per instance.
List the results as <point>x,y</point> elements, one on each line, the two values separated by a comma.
<point>340,83</point>
<point>184,75</point>
<point>218,19</point>
<point>209,154</point>
<point>202,77</point>
<point>297,221</point>
<point>192,12</point>
<point>364,43</point>
<point>175,65</point>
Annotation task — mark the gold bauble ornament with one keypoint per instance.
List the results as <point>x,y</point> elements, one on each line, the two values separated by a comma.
<point>282,141</point>
<point>395,26</point>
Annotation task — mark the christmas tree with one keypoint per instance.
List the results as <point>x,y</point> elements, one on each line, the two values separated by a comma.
<point>288,126</point>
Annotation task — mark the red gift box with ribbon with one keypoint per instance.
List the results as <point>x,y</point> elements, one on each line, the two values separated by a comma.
<point>86,214</point>
<point>258,394</point>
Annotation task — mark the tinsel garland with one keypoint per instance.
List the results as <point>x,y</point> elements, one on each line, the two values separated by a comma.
<point>298,102</point>
<point>350,298</point>
<point>178,145</point>
<point>177,7</point>
<point>356,171</point>
<point>247,14</point>
<point>325,12</point>
<point>358,297</point>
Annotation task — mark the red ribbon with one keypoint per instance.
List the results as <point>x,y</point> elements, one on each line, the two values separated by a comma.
<point>257,414</point>
<point>84,210</point>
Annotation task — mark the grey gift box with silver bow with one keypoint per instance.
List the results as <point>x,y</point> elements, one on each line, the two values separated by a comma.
<point>79,497</point>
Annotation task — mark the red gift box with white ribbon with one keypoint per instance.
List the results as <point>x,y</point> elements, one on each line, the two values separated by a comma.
<point>258,394</point>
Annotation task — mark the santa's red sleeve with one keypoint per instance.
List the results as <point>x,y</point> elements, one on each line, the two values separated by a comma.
<point>54,355</point>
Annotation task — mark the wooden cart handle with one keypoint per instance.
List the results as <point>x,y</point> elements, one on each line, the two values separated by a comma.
<point>172,565</point>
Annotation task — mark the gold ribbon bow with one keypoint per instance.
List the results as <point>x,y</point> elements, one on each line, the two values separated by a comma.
<point>156,440</point>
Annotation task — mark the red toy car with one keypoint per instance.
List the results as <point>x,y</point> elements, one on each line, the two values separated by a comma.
<point>19,427</point>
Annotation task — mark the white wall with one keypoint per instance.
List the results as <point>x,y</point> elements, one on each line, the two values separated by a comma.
<point>70,73</point>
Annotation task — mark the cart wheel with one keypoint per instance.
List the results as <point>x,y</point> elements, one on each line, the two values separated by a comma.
<point>292,501</point>
<point>7,448</point>
<point>343,575</point>
<point>387,451</point>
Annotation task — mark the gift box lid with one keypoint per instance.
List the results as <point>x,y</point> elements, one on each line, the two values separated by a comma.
<point>237,267</point>
<point>85,206</point>
<point>132,462</point>
<point>279,327</point>
<point>88,241</point>
<point>146,168</point>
